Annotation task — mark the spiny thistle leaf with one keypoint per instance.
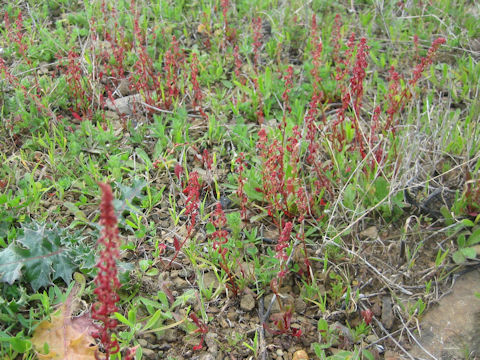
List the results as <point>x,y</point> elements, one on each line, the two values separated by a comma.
<point>10,265</point>
<point>42,254</point>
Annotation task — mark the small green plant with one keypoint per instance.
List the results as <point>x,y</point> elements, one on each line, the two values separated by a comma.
<point>158,312</point>
<point>254,346</point>
<point>43,253</point>
<point>467,233</point>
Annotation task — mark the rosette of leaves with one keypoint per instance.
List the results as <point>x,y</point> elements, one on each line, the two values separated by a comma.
<point>43,253</point>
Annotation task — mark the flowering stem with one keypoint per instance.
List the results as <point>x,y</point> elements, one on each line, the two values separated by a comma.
<point>107,280</point>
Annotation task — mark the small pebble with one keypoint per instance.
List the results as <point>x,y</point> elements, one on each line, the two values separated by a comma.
<point>300,355</point>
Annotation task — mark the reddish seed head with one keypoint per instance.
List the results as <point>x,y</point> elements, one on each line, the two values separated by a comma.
<point>107,281</point>
<point>367,316</point>
<point>283,241</point>
<point>178,171</point>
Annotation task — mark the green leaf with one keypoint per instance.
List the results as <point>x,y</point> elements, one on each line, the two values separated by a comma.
<point>458,257</point>
<point>129,195</point>
<point>43,253</point>
<point>474,238</point>
<point>368,355</point>
<point>63,267</point>
<point>10,265</point>
<point>152,303</point>
<point>447,215</point>
<point>18,343</point>
<point>162,297</point>
<point>123,319</point>
<point>319,350</point>
<point>349,196</point>
<point>467,222</point>
<point>342,355</point>
<point>143,155</point>
<point>38,273</point>
<point>75,211</point>
<point>153,320</point>
<point>322,326</point>
<point>183,299</point>
<point>461,241</point>
<point>469,252</point>
<point>210,228</point>
<point>381,188</point>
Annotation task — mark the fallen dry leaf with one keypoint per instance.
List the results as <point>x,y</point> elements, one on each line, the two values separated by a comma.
<point>65,337</point>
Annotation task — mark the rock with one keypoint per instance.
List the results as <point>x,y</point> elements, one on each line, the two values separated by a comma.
<point>453,325</point>
<point>123,89</point>
<point>207,357</point>
<point>232,315</point>
<point>343,330</point>
<point>300,305</point>
<point>125,105</point>
<point>180,283</point>
<point>223,323</point>
<point>286,299</point>
<point>149,354</point>
<point>210,280</point>
<point>211,341</point>
<point>213,310</point>
<point>143,343</point>
<point>371,338</point>
<point>247,303</point>
<point>391,355</point>
<point>376,309</point>
<point>150,338</point>
<point>370,233</point>
<point>279,352</point>
<point>275,306</point>
<point>111,115</point>
<point>170,335</point>
<point>300,355</point>
<point>387,313</point>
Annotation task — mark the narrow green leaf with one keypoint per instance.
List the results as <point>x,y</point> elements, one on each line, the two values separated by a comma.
<point>143,155</point>
<point>153,320</point>
<point>123,319</point>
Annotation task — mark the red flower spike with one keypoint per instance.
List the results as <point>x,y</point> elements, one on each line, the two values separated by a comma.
<point>178,171</point>
<point>238,65</point>
<point>192,190</point>
<point>220,238</point>
<point>197,91</point>
<point>426,61</point>
<point>367,316</point>
<point>257,35</point>
<point>283,241</point>
<point>193,194</point>
<point>241,186</point>
<point>207,160</point>
<point>107,281</point>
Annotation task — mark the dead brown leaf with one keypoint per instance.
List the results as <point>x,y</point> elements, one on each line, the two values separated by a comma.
<point>65,337</point>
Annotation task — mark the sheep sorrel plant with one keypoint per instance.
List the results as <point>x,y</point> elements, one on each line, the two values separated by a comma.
<point>192,190</point>
<point>107,280</point>
<point>220,238</point>
<point>282,322</point>
<point>264,154</point>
